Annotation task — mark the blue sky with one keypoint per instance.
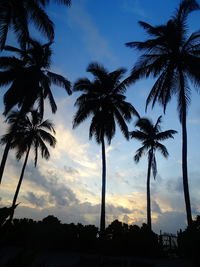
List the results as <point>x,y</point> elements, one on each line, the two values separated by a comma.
<point>69,184</point>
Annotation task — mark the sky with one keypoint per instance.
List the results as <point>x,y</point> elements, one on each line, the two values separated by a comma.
<point>68,185</point>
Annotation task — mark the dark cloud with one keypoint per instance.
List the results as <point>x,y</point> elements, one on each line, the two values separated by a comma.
<point>70,170</point>
<point>39,201</point>
<point>195,207</point>
<point>155,207</point>
<point>84,213</point>
<point>59,193</point>
<point>175,185</point>
<point>117,210</point>
<point>170,222</point>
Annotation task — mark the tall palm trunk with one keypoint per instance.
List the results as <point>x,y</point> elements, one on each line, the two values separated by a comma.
<point>184,153</point>
<point>7,148</point>
<point>103,194</point>
<point>148,190</point>
<point>19,184</point>
<point>184,169</point>
<point>4,158</point>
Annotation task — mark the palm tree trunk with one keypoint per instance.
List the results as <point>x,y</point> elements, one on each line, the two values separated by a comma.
<point>148,192</point>
<point>103,194</point>
<point>7,148</point>
<point>184,151</point>
<point>184,168</point>
<point>4,158</point>
<point>19,184</point>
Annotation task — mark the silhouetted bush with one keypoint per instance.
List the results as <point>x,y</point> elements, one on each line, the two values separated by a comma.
<point>189,241</point>
<point>50,233</point>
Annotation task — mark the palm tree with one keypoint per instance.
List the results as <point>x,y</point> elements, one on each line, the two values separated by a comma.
<point>174,59</point>
<point>29,79</point>
<point>150,135</point>
<point>16,14</point>
<point>103,100</point>
<point>31,132</point>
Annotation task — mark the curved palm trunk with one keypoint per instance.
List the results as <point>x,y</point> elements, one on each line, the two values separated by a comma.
<point>4,158</point>
<point>19,184</point>
<point>103,194</point>
<point>184,152</point>
<point>148,192</point>
<point>184,169</point>
<point>7,148</point>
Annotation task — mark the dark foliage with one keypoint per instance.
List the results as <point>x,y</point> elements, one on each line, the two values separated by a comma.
<point>28,77</point>
<point>50,233</point>
<point>16,15</point>
<point>189,241</point>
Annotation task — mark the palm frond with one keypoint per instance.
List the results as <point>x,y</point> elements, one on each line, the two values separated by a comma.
<point>138,135</point>
<point>162,149</point>
<point>139,153</point>
<point>121,122</point>
<point>157,126</point>
<point>59,80</point>
<point>47,124</point>
<point>6,77</point>
<point>48,138</point>
<point>4,26</point>
<point>165,135</point>
<point>97,70</point>
<point>83,85</point>
<point>145,125</point>
<point>154,166</point>
<point>43,149</point>
<point>9,63</point>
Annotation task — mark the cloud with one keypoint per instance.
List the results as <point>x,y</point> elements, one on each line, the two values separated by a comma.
<point>93,41</point>
<point>133,6</point>
<point>38,201</point>
<point>84,213</point>
<point>175,185</point>
<point>170,222</point>
<point>59,193</point>
<point>155,207</point>
<point>70,170</point>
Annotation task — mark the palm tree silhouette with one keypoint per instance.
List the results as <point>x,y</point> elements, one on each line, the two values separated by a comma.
<point>31,80</point>
<point>103,99</point>
<point>16,14</point>
<point>150,135</point>
<point>31,132</point>
<point>174,59</point>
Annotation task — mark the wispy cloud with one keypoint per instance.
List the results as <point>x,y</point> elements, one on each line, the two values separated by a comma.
<point>194,121</point>
<point>133,6</point>
<point>92,39</point>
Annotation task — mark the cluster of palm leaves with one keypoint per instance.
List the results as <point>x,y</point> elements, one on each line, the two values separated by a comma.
<point>28,79</point>
<point>170,56</point>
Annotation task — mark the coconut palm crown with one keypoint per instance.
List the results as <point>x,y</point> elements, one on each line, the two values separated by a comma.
<point>28,77</point>
<point>31,131</point>
<point>17,14</point>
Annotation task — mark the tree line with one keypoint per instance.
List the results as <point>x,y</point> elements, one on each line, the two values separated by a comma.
<point>171,56</point>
